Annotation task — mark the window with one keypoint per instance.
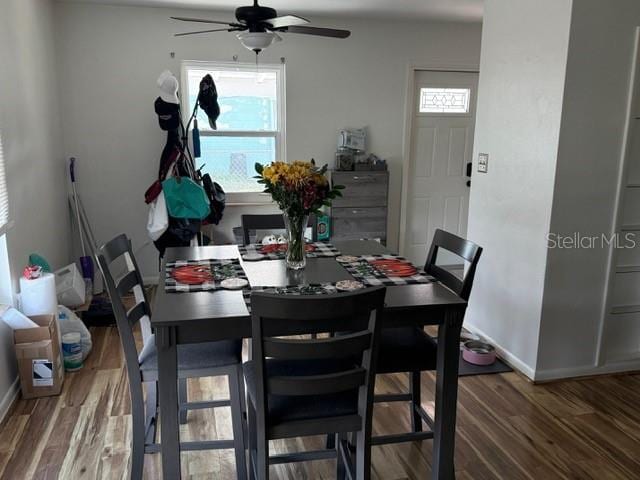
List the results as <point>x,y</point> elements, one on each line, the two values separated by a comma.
<point>4,196</point>
<point>444,100</point>
<point>5,276</point>
<point>250,127</point>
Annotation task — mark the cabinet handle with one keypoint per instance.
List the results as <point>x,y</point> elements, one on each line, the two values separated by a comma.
<point>364,178</point>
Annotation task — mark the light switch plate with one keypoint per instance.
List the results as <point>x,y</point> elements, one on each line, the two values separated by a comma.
<point>483,162</point>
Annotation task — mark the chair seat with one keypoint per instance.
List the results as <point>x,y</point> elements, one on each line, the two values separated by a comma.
<point>302,407</point>
<point>406,349</point>
<point>196,356</point>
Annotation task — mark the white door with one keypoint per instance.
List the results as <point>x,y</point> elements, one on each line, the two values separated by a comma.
<point>437,194</point>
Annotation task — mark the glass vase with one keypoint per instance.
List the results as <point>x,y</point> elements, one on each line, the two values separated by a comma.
<point>296,225</point>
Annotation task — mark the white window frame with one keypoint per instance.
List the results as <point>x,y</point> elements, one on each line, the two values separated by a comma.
<point>449,84</point>
<point>241,198</point>
<point>468,90</point>
<point>5,217</point>
<point>6,294</point>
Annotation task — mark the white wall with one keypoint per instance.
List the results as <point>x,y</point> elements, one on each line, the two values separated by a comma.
<point>110,57</point>
<point>589,156</point>
<point>522,73</point>
<point>31,136</point>
<point>551,115</point>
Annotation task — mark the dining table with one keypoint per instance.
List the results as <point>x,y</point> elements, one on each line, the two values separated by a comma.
<point>205,316</point>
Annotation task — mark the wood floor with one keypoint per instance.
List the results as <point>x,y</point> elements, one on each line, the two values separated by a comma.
<point>507,429</point>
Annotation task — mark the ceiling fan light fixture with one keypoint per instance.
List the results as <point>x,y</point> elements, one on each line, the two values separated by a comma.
<point>259,25</point>
<point>257,41</point>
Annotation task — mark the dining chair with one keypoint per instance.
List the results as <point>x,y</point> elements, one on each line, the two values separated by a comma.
<point>195,360</point>
<point>251,223</point>
<point>411,349</point>
<point>300,387</point>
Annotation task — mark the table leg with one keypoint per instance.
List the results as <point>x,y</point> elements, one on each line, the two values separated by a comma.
<point>168,392</point>
<point>446,396</point>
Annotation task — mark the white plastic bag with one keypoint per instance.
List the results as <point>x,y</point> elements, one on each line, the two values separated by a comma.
<point>158,220</point>
<point>70,323</point>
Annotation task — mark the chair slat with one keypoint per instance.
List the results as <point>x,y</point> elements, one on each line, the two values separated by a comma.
<point>458,245</point>
<point>127,282</point>
<point>312,308</point>
<point>447,278</point>
<point>305,428</point>
<point>136,313</point>
<point>316,384</point>
<point>115,248</point>
<point>336,347</point>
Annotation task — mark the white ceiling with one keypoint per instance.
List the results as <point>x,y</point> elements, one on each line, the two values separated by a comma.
<point>456,10</point>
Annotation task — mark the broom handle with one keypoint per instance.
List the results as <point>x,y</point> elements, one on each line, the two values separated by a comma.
<point>72,172</point>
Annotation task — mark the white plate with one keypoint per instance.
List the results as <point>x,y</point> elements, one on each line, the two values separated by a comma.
<point>252,257</point>
<point>347,259</point>
<point>349,285</point>
<point>234,283</point>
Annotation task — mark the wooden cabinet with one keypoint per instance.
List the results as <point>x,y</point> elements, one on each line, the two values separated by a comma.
<point>362,210</point>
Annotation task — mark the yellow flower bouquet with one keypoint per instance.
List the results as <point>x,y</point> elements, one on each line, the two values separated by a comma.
<point>299,188</point>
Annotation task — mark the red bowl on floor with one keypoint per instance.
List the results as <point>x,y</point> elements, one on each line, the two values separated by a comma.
<point>478,353</point>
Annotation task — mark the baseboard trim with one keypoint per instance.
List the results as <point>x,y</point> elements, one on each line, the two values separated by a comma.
<point>549,375</point>
<point>626,366</point>
<point>505,355</point>
<point>9,398</point>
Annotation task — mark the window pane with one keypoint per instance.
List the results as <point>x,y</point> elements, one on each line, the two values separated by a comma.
<point>230,160</point>
<point>247,99</point>
<point>444,100</point>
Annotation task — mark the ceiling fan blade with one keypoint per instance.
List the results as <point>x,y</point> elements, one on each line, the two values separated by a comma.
<point>286,21</point>
<point>206,31</point>
<point>322,32</point>
<point>201,20</point>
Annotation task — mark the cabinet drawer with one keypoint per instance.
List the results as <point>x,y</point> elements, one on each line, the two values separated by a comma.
<point>361,227</point>
<point>355,212</point>
<point>362,189</point>
<point>360,178</point>
<point>381,236</point>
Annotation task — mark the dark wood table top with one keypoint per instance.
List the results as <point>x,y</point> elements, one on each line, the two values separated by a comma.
<point>178,309</point>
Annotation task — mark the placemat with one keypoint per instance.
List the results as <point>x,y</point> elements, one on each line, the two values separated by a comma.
<point>311,289</point>
<point>221,269</point>
<point>322,249</point>
<point>366,273</point>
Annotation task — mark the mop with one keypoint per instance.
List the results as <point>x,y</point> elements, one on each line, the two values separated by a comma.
<point>86,262</point>
<point>88,231</point>
<point>100,312</point>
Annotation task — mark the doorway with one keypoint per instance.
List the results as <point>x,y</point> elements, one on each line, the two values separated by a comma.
<point>436,184</point>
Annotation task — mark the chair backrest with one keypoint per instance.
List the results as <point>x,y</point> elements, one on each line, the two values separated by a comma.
<point>357,313</point>
<point>119,251</point>
<point>270,222</point>
<point>465,249</point>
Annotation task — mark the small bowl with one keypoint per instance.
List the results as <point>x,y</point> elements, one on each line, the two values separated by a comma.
<point>478,353</point>
<point>234,283</point>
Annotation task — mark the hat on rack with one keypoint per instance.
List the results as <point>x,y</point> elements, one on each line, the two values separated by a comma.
<point>208,99</point>
<point>168,85</point>
<point>168,114</point>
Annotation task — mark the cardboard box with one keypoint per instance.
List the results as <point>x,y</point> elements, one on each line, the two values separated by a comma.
<point>39,358</point>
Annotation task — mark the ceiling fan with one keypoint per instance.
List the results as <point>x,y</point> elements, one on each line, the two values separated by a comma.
<point>259,26</point>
